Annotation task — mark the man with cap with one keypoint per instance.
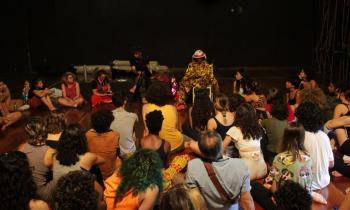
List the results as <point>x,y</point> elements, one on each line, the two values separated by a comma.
<point>199,74</point>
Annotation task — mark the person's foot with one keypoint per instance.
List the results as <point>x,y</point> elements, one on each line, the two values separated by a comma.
<point>132,90</point>
<point>24,107</point>
<point>3,128</point>
<point>336,174</point>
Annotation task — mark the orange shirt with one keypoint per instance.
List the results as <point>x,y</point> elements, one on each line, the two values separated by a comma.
<point>104,145</point>
<point>129,202</point>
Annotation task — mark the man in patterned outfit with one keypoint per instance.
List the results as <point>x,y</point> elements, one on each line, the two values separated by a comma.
<point>199,74</point>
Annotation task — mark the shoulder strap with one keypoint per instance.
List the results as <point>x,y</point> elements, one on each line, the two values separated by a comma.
<point>211,173</point>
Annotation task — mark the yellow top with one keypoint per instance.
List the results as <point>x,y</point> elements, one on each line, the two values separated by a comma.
<point>169,131</point>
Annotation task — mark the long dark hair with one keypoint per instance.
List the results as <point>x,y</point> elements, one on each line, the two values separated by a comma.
<point>203,109</point>
<point>72,143</point>
<point>242,82</point>
<point>293,139</point>
<point>247,120</point>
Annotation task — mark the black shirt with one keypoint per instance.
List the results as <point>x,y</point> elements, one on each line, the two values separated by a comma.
<point>140,65</point>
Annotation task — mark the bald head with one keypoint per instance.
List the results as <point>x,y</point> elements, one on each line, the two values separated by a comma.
<point>210,145</point>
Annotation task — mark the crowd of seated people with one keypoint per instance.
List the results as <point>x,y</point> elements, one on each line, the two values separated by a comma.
<point>285,143</point>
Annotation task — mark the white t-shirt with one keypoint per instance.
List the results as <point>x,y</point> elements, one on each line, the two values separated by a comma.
<point>319,148</point>
<point>124,124</point>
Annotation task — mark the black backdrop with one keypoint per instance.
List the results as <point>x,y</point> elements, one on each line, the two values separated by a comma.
<point>232,32</point>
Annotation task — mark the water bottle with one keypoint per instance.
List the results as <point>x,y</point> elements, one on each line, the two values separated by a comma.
<point>25,97</point>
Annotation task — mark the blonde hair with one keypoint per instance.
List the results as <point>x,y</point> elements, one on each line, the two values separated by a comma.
<point>197,199</point>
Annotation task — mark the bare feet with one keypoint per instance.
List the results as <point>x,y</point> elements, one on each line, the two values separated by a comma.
<point>132,90</point>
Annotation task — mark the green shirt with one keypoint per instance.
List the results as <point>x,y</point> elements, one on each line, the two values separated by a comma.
<point>274,131</point>
<point>284,168</point>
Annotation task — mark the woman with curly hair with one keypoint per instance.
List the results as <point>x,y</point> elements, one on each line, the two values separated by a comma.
<point>246,135</point>
<point>71,91</point>
<point>77,190</point>
<point>103,141</point>
<point>138,183</point>
<point>317,143</point>
<point>18,189</point>
<point>223,120</point>
<point>101,89</point>
<point>35,148</point>
<point>71,153</point>
<point>199,114</point>
<point>55,124</point>
<point>158,97</point>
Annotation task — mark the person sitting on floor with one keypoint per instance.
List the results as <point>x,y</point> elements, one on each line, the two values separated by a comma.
<point>182,197</point>
<point>223,120</point>
<point>138,64</point>
<point>275,94</point>
<point>293,164</point>
<point>18,189</point>
<point>341,163</point>
<point>199,74</point>
<point>103,141</point>
<point>316,142</point>
<point>35,149</point>
<point>71,154</point>
<point>256,98</point>
<point>124,123</point>
<point>71,96</point>
<point>292,87</point>
<point>306,80</point>
<point>8,108</point>
<point>275,124</point>
<point>158,97</point>
<point>101,89</point>
<point>152,141</point>
<point>55,125</point>
<point>78,190</point>
<point>235,185</point>
<point>137,184</point>
<point>240,82</point>
<point>199,114</point>
<point>292,196</point>
<point>39,95</point>
<point>246,135</point>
